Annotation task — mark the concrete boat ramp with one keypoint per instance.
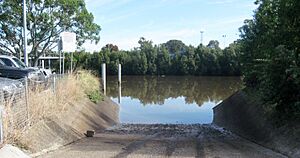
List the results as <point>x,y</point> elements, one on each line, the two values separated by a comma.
<point>159,140</point>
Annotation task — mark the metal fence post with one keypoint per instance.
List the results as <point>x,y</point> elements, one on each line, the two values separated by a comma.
<point>1,124</point>
<point>26,99</point>
<point>54,83</point>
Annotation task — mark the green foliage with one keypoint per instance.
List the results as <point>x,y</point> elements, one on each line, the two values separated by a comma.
<point>90,85</point>
<point>95,96</point>
<point>45,20</point>
<point>270,55</point>
<point>149,59</point>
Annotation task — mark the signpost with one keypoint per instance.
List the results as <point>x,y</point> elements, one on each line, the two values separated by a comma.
<point>67,44</point>
<point>25,33</point>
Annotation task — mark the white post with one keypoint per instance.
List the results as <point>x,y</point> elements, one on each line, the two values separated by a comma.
<point>120,93</point>
<point>43,63</point>
<point>104,78</point>
<point>25,33</point>
<point>119,74</point>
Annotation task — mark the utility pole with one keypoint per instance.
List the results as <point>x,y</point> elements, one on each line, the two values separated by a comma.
<point>25,33</point>
<point>201,36</point>
<point>224,36</point>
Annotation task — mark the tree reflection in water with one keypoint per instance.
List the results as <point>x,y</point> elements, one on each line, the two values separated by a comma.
<point>155,90</point>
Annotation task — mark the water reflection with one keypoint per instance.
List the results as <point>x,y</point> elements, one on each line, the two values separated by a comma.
<point>155,90</point>
<point>147,99</point>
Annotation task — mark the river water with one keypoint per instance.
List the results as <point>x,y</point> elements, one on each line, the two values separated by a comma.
<point>170,99</point>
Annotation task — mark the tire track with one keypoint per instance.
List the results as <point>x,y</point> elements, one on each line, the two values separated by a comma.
<point>134,146</point>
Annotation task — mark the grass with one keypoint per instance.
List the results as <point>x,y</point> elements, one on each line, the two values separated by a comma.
<point>52,101</point>
<point>91,86</point>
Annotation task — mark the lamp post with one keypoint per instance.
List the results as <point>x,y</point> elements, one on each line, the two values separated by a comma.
<point>25,33</point>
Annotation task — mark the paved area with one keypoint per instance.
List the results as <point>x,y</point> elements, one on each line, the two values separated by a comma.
<point>141,141</point>
<point>9,151</point>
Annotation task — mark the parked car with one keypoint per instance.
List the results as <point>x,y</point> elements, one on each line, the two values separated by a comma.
<point>12,61</point>
<point>18,73</point>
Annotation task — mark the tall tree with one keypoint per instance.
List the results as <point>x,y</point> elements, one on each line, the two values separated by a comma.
<point>110,48</point>
<point>270,59</point>
<point>163,61</point>
<point>46,19</point>
<point>175,46</point>
<point>147,48</point>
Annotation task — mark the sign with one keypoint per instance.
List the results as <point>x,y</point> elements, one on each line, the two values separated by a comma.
<point>68,42</point>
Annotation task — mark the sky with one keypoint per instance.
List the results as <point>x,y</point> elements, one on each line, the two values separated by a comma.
<point>123,22</point>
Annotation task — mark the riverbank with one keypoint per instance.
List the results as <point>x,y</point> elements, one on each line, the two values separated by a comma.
<point>64,128</point>
<point>69,126</point>
<point>59,113</point>
<point>245,116</point>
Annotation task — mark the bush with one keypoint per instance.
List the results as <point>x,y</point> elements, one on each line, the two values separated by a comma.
<point>90,85</point>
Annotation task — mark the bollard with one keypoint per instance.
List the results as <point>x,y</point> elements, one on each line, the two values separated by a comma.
<point>119,74</point>
<point>104,78</point>
<point>120,93</point>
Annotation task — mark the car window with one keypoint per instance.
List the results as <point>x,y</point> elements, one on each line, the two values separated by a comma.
<point>20,63</point>
<point>7,62</point>
<point>2,63</point>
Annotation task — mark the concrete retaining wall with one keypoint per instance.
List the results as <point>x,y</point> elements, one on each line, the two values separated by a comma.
<point>71,125</point>
<point>245,117</point>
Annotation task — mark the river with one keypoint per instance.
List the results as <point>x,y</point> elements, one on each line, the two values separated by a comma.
<point>170,99</point>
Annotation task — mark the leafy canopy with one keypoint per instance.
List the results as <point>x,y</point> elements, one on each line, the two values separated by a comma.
<point>46,19</point>
<point>270,55</point>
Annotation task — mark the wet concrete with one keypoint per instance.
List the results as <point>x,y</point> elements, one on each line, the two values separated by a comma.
<point>158,140</point>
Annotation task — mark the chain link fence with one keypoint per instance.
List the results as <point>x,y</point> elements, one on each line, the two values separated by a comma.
<point>15,99</point>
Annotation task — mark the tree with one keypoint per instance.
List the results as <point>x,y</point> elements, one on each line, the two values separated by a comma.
<point>214,44</point>
<point>46,19</point>
<point>175,46</point>
<point>229,59</point>
<point>147,48</point>
<point>163,61</point>
<point>270,55</point>
<point>110,48</point>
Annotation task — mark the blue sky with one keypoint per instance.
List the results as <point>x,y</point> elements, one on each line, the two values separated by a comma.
<point>123,22</point>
